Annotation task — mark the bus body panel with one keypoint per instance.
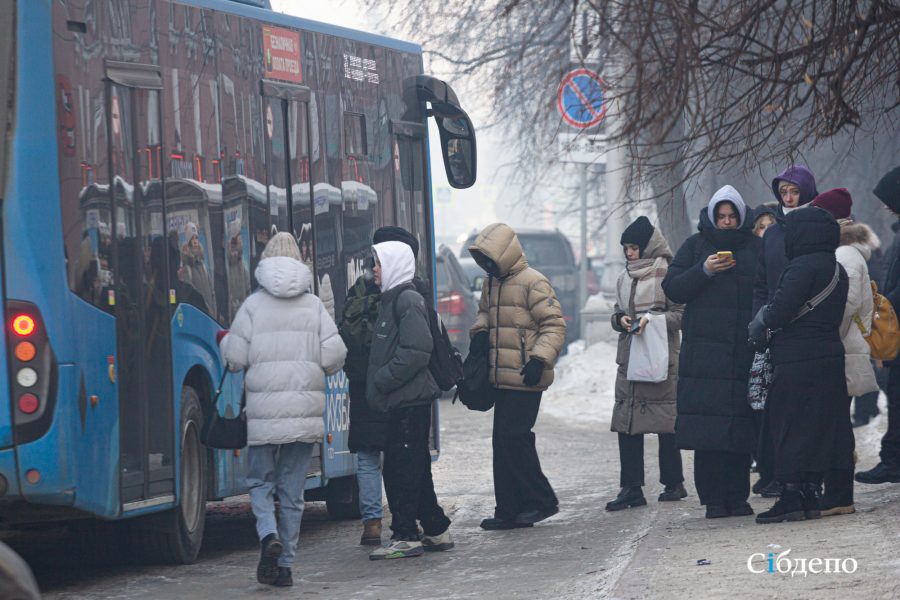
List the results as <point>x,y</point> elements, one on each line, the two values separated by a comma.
<point>350,194</point>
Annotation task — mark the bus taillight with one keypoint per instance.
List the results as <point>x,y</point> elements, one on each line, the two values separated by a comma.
<point>23,325</point>
<point>32,370</point>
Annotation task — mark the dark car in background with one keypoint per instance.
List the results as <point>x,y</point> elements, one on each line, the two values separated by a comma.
<point>456,305</point>
<point>550,253</point>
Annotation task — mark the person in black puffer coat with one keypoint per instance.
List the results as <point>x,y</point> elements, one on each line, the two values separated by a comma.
<point>714,417</point>
<point>807,403</point>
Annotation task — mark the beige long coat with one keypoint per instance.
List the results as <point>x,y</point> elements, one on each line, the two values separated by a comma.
<point>643,407</point>
<point>519,310</point>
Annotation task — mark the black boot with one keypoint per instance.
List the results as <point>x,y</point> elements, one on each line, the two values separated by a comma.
<point>882,473</point>
<point>628,497</point>
<point>788,508</point>
<point>284,578</point>
<point>811,495</point>
<point>673,493</point>
<point>269,552</point>
<point>772,490</point>
<point>838,497</point>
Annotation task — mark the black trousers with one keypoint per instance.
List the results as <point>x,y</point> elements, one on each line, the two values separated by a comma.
<point>866,406</point>
<point>890,443</point>
<point>519,482</point>
<point>407,475</point>
<point>722,477</point>
<point>631,458</point>
<point>838,479</point>
<point>764,451</point>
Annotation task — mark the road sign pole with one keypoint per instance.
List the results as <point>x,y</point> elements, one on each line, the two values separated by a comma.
<point>582,279</point>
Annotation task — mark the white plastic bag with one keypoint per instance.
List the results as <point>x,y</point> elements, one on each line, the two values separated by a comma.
<point>648,359</point>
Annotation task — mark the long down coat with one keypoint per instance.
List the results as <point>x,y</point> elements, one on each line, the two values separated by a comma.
<point>806,411</point>
<point>644,407</point>
<point>714,365</point>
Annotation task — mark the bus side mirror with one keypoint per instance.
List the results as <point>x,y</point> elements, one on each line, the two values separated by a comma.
<point>455,128</point>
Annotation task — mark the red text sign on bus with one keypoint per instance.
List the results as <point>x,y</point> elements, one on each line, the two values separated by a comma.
<point>281,50</point>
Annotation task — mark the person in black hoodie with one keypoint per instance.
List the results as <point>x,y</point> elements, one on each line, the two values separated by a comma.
<point>807,403</point>
<point>888,468</point>
<point>714,417</point>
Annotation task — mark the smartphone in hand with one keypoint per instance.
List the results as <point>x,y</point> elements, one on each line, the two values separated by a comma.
<point>724,254</point>
<point>635,326</point>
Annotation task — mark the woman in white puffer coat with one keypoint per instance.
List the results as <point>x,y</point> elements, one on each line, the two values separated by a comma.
<point>287,342</point>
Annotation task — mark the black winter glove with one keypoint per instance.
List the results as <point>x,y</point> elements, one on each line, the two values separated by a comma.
<point>532,372</point>
<point>480,343</point>
<point>758,332</point>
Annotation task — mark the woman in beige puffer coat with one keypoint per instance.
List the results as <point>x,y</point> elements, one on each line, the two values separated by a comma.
<point>521,323</point>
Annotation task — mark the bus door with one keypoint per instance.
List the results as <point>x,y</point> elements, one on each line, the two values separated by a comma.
<point>288,182</point>
<point>412,209</point>
<point>139,293</point>
<point>410,200</point>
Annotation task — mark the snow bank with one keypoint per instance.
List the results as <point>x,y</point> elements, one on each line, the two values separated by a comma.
<point>583,391</point>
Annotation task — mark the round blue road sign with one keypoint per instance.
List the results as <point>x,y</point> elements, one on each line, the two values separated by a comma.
<point>580,98</point>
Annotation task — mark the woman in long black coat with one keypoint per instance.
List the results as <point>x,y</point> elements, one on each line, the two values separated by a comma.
<point>807,403</point>
<point>714,417</point>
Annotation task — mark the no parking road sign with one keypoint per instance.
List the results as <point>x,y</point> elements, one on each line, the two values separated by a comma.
<point>580,99</point>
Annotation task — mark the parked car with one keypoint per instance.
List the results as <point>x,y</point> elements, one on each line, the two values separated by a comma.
<point>474,275</point>
<point>550,253</point>
<point>457,306</point>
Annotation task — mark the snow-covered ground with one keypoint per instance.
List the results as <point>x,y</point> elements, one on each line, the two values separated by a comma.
<point>584,385</point>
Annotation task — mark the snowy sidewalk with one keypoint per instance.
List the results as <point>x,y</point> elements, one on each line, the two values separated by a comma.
<point>659,557</point>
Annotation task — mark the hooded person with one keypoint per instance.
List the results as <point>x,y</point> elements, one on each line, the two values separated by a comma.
<point>712,275</point>
<point>888,468</point>
<point>644,407</point>
<point>764,216</point>
<point>368,427</point>
<point>793,188</point>
<point>399,383</point>
<point>194,271</point>
<point>238,274</point>
<point>520,324</point>
<point>807,410</point>
<point>853,254</point>
<point>284,339</point>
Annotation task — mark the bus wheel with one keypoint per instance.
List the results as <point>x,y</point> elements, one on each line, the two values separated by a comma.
<point>342,498</point>
<point>174,536</point>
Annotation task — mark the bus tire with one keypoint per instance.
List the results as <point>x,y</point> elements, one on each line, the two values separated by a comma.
<point>175,536</point>
<point>342,498</point>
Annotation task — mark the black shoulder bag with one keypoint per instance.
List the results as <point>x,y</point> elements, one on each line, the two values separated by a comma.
<point>222,432</point>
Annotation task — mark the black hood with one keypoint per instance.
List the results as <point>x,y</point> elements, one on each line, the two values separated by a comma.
<point>725,239</point>
<point>810,230</point>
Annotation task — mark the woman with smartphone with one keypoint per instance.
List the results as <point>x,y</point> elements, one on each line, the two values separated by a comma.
<point>644,407</point>
<point>712,275</point>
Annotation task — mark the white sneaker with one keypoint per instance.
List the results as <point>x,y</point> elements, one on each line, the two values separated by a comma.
<point>397,549</point>
<point>437,543</point>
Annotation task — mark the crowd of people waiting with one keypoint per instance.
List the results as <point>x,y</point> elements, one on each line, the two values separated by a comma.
<point>775,309</point>
<point>764,317</point>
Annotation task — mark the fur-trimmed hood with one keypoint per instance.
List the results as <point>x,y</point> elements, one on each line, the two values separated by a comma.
<point>859,233</point>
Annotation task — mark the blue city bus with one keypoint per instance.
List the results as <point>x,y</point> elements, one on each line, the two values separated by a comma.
<point>149,150</point>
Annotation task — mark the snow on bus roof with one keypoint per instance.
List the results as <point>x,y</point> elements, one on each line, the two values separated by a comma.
<point>277,18</point>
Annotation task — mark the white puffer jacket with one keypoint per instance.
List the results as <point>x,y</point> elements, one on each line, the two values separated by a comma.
<point>853,253</point>
<point>285,339</point>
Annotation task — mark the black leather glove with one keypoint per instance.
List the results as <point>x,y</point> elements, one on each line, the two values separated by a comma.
<point>532,372</point>
<point>480,343</point>
<point>757,331</point>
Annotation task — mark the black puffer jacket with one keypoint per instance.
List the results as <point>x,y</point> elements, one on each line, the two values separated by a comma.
<point>398,374</point>
<point>807,401</point>
<point>713,413</point>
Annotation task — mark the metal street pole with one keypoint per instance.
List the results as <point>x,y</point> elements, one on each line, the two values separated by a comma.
<point>582,278</point>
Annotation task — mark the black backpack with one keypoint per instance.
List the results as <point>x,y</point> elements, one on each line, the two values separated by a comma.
<point>446,364</point>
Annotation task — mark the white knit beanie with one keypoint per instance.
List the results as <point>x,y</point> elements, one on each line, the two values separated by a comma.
<point>283,244</point>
